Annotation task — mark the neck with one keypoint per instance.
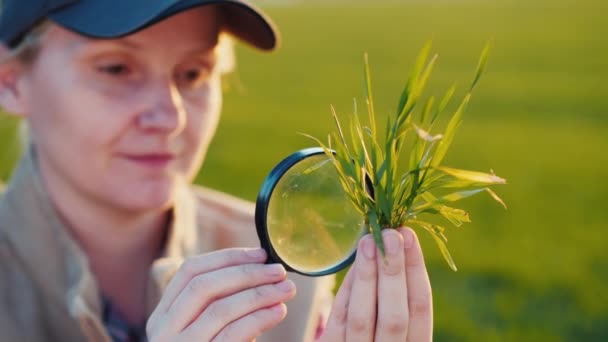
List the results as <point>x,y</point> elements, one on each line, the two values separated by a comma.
<point>108,233</point>
<point>110,236</point>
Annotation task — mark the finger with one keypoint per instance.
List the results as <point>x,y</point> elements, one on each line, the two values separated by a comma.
<point>226,310</point>
<point>336,323</point>
<point>206,263</point>
<point>392,322</point>
<point>250,326</point>
<point>420,297</point>
<point>208,287</point>
<point>361,316</point>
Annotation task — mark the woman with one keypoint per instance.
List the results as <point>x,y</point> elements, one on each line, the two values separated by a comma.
<point>102,237</point>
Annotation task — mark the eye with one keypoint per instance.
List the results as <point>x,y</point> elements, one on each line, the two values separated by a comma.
<point>192,75</point>
<point>114,69</point>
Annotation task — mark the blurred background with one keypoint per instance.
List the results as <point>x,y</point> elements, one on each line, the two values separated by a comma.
<point>539,118</point>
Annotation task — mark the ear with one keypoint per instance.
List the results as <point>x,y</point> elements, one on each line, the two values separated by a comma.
<point>12,98</point>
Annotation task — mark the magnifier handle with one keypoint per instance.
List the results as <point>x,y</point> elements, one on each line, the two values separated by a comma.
<point>271,260</point>
<point>271,256</point>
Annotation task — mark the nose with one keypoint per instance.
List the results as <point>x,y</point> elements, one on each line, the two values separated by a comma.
<point>166,114</point>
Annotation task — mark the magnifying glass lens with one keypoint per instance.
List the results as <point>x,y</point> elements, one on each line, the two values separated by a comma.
<point>311,223</point>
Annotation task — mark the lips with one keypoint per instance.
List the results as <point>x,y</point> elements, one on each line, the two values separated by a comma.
<point>154,160</point>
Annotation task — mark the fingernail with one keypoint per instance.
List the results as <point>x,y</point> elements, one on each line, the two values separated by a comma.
<point>275,270</point>
<point>391,241</point>
<point>286,286</point>
<point>256,253</point>
<point>369,248</point>
<point>408,238</point>
<point>279,309</point>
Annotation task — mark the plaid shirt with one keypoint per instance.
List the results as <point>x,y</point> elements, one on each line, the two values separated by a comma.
<point>118,328</point>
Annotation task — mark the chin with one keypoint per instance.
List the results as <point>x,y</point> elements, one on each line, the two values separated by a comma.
<point>147,197</point>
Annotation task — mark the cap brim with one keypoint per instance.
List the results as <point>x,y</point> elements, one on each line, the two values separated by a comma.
<point>250,25</point>
<point>118,18</point>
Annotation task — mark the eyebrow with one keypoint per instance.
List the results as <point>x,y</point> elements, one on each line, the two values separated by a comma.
<point>126,42</point>
<point>205,52</point>
<point>75,45</point>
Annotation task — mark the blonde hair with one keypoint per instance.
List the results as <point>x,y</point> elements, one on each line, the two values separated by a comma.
<point>29,46</point>
<point>26,52</point>
<point>225,53</point>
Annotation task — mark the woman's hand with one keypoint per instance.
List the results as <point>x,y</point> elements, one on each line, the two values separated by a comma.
<point>398,288</point>
<point>228,295</point>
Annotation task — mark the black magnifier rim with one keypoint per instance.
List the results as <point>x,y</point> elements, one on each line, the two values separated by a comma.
<point>261,211</point>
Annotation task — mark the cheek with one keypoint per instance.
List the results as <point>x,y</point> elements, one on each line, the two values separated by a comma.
<point>202,120</point>
<point>204,117</point>
<point>69,109</point>
<point>76,127</point>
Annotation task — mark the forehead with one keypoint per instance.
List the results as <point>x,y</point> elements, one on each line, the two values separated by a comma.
<point>196,28</point>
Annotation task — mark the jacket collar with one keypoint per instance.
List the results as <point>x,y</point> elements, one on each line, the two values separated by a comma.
<point>53,259</point>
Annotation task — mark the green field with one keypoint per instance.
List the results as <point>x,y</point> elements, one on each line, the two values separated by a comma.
<point>539,118</point>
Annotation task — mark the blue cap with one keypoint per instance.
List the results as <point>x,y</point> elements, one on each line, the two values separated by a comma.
<point>117,18</point>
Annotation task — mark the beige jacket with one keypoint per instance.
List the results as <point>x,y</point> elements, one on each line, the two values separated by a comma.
<point>47,292</point>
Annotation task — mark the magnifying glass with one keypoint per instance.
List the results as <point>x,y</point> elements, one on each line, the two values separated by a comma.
<point>304,219</point>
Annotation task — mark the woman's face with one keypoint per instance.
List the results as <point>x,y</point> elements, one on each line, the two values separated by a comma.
<point>124,121</point>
